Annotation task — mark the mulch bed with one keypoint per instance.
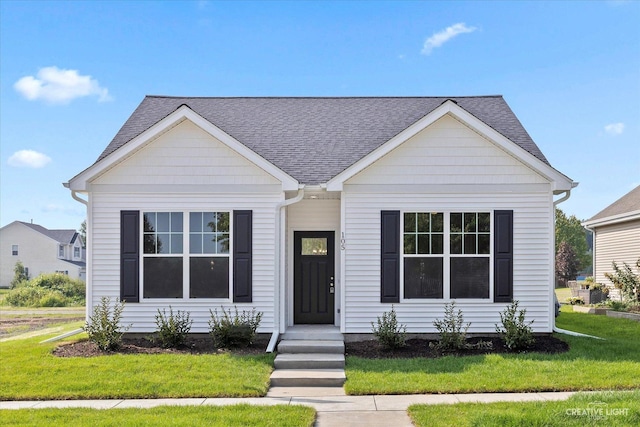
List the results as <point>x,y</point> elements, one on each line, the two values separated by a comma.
<point>366,349</point>
<point>420,348</point>
<point>193,345</point>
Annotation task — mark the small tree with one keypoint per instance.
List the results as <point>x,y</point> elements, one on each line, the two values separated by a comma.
<point>626,280</point>
<point>567,262</point>
<point>20,275</point>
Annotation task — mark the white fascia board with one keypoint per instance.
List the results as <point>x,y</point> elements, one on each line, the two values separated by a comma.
<point>81,181</point>
<point>613,219</point>
<point>558,180</point>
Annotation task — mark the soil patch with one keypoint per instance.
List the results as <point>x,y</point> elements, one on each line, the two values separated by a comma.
<point>13,326</point>
<point>193,345</point>
<point>420,348</point>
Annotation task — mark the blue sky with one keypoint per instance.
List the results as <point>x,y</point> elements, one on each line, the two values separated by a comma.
<point>72,72</point>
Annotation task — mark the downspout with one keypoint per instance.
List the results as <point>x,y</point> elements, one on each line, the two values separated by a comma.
<point>277,285</point>
<point>555,328</point>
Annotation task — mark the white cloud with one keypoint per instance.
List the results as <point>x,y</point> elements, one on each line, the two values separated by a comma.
<point>58,86</point>
<point>29,159</point>
<point>440,38</point>
<point>614,128</point>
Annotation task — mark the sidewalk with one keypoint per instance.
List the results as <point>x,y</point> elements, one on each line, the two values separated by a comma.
<point>334,408</point>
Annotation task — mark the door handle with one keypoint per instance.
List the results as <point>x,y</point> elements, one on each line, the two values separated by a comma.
<point>332,288</point>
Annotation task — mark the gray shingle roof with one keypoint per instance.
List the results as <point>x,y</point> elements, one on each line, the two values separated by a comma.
<point>314,139</point>
<point>628,203</point>
<point>60,236</point>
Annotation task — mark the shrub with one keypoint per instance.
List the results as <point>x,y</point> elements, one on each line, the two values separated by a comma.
<point>103,326</point>
<point>453,332</point>
<point>233,330</point>
<point>173,329</point>
<point>60,289</point>
<point>387,331</point>
<point>24,295</point>
<point>576,301</point>
<point>626,280</point>
<point>515,331</point>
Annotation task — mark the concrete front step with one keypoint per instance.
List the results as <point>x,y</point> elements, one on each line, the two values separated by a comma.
<point>309,361</point>
<point>313,332</point>
<point>311,346</point>
<point>308,378</point>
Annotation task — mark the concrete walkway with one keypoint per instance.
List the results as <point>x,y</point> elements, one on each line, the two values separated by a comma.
<point>333,407</point>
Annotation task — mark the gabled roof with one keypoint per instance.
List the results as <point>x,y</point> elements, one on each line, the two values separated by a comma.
<point>315,139</point>
<point>626,208</point>
<point>61,236</point>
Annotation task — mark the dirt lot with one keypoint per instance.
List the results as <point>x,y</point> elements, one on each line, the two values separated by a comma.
<point>20,321</point>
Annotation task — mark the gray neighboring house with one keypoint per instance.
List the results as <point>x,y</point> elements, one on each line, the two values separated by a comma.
<point>41,251</point>
<point>322,210</point>
<point>616,236</point>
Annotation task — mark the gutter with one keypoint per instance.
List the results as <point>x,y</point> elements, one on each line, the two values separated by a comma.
<point>555,328</point>
<point>277,285</point>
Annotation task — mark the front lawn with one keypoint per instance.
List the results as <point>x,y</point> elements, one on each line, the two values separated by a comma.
<point>29,371</point>
<point>237,415</point>
<point>610,409</point>
<point>590,364</point>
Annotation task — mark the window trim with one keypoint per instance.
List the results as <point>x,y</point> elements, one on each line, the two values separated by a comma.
<point>447,255</point>
<point>185,255</point>
<point>14,252</point>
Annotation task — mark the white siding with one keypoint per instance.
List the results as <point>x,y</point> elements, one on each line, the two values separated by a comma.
<point>447,152</point>
<point>105,247</point>
<point>312,215</point>
<point>186,155</point>
<point>619,243</point>
<point>425,175</point>
<point>183,170</point>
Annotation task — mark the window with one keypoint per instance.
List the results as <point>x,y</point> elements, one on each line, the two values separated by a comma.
<point>61,251</point>
<point>209,254</point>
<point>203,265</point>
<point>76,252</point>
<point>14,250</point>
<point>423,249</point>
<point>446,254</point>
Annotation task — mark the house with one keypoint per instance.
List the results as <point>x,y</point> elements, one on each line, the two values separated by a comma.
<point>616,237</point>
<point>40,251</point>
<point>323,210</point>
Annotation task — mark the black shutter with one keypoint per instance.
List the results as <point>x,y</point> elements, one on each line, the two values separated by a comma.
<point>242,255</point>
<point>503,256</point>
<point>130,256</point>
<point>390,257</point>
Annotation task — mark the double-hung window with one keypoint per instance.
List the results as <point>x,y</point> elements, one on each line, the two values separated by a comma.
<point>14,250</point>
<point>446,254</point>
<point>195,262</point>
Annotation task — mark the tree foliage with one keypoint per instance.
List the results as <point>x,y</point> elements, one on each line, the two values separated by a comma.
<point>569,230</point>
<point>567,263</point>
<point>19,275</point>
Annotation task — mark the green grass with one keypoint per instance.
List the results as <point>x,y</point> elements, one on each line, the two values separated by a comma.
<point>590,364</point>
<point>29,371</point>
<point>237,415</point>
<point>599,409</point>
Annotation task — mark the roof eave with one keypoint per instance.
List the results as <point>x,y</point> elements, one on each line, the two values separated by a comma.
<point>613,219</point>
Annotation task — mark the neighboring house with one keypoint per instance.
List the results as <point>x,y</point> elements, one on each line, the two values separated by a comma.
<point>323,210</point>
<point>616,237</point>
<point>40,251</point>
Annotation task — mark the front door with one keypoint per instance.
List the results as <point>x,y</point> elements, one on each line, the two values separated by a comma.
<point>313,277</point>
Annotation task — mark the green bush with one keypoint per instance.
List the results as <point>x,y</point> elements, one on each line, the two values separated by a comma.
<point>452,330</point>
<point>515,331</point>
<point>387,331</point>
<point>174,328</point>
<point>59,289</point>
<point>103,326</point>
<point>230,330</point>
<point>20,275</point>
<point>24,295</point>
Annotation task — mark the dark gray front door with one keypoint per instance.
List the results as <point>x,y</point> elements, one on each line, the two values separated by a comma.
<point>313,277</point>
